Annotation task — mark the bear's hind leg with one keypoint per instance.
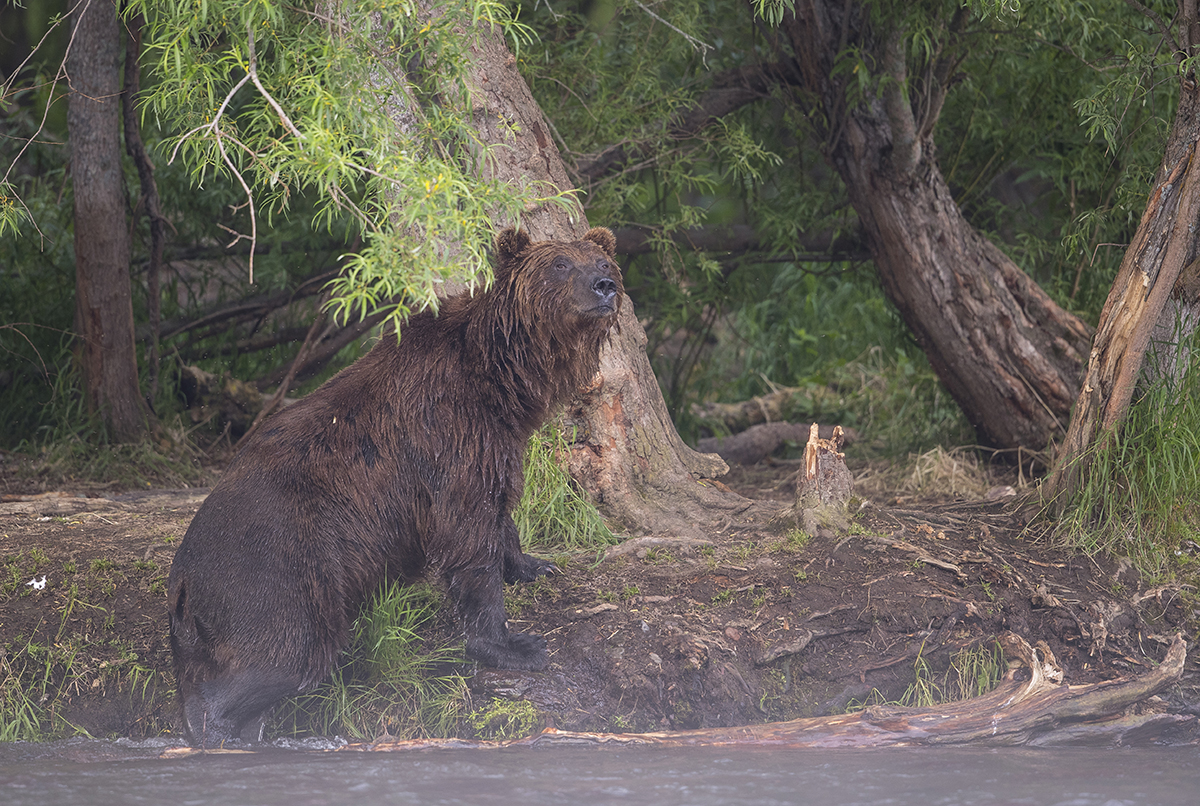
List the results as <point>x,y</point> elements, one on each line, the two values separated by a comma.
<point>478,596</point>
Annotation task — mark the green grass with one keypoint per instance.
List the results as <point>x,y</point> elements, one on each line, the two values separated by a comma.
<point>972,672</point>
<point>21,716</point>
<point>72,651</point>
<point>393,680</point>
<point>1140,492</point>
<point>71,459</point>
<point>553,516</point>
<point>39,678</point>
<point>504,719</point>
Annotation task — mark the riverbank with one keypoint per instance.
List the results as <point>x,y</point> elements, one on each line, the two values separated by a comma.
<point>754,623</point>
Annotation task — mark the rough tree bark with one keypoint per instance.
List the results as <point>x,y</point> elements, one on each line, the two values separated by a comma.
<point>1006,352</point>
<point>103,292</point>
<point>1156,289</point>
<point>628,455</point>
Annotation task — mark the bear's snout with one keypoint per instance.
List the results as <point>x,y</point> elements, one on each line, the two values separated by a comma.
<point>605,289</point>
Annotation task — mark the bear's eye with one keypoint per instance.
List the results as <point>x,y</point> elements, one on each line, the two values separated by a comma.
<point>561,266</point>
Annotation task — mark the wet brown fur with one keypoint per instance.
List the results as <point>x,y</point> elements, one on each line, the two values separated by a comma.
<point>411,458</point>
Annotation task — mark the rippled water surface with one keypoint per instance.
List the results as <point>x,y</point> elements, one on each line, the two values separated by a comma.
<point>97,773</point>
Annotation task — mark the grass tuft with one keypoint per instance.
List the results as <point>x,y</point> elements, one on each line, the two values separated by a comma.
<point>553,516</point>
<point>1138,499</point>
<point>393,680</point>
<point>973,672</point>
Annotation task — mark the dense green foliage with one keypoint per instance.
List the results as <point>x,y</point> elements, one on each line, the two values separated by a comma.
<point>1049,135</point>
<point>286,100</point>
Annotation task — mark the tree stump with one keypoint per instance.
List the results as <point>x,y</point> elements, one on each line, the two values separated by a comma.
<point>824,485</point>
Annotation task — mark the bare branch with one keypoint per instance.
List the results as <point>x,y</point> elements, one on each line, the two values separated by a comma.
<point>253,71</point>
<point>740,239</point>
<point>702,47</point>
<point>728,92</point>
<point>906,148</point>
<point>1158,21</point>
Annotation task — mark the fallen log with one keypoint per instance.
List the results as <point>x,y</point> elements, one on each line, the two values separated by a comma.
<point>755,444</point>
<point>776,406</point>
<point>1038,709</point>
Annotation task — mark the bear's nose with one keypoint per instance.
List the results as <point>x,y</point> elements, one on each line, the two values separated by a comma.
<point>605,288</point>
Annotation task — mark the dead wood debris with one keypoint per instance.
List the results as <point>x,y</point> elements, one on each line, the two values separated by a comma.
<point>640,546</point>
<point>1031,706</point>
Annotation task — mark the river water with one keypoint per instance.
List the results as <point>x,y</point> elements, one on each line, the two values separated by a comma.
<point>97,773</point>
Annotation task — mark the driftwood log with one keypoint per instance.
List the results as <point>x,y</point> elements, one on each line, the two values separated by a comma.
<point>1031,706</point>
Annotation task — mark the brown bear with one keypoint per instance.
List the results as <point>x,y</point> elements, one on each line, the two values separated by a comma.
<point>409,459</point>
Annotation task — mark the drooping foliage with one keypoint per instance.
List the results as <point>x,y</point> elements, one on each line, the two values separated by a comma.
<point>285,143</point>
<point>288,98</point>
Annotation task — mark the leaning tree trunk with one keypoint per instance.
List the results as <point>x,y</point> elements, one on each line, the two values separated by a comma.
<point>103,291</point>
<point>1006,352</point>
<point>1155,291</point>
<point>627,454</point>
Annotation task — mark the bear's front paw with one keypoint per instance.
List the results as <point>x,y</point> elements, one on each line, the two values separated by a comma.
<point>518,650</point>
<point>527,568</point>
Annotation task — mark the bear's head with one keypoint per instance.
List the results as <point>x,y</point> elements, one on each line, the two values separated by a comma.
<point>578,280</point>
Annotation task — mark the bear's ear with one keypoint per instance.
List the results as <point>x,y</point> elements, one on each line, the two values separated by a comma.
<point>510,243</point>
<point>603,238</point>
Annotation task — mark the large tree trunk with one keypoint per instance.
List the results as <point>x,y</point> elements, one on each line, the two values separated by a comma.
<point>1006,352</point>
<point>1155,291</point>
<point>103,294</point>
<point>626,452</point>
<point>628,455</point>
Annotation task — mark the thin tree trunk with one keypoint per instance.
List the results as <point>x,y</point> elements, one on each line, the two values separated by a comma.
<point>1156,285</point>
<point>1006,352</point>
<point>145,169</point>
<point>103,301</point>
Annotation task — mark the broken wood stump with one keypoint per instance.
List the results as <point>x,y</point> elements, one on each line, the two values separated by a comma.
<point>824,485</point>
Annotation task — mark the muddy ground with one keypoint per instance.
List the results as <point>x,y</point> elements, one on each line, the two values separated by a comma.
<point>755,624</point>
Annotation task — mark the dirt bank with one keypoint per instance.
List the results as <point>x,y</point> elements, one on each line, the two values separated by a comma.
<point>753,624</point>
